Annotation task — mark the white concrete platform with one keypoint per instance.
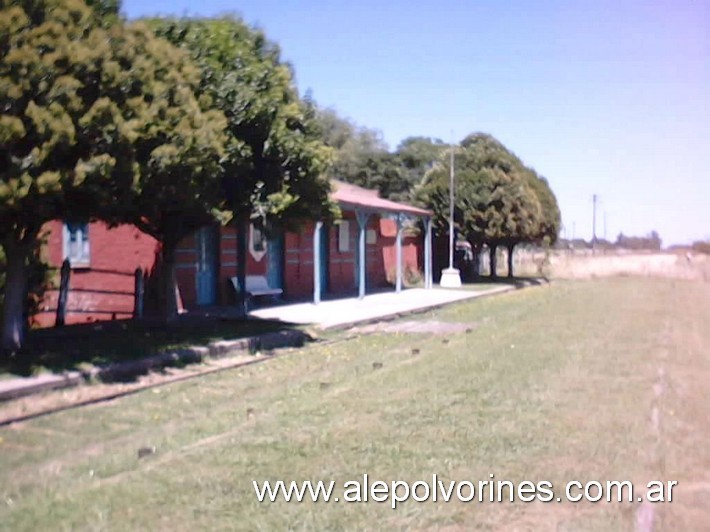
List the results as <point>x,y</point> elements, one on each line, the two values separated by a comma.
<point>349,311</point>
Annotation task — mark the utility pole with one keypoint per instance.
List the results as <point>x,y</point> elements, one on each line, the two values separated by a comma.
<point>604,225</point>
<point>594,222</point>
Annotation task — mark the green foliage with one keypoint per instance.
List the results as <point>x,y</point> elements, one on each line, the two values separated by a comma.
<point>417,156</point>
<point>499,201</point>
<point>179,141</point>
<point>275,158</point>
<point>49,69</point>
<point>548,228</point>
<point>100,120</point>
<point>362,157</point>
<point>92,114</point>
<point>53,55</point>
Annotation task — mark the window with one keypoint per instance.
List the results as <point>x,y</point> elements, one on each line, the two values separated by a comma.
<point>76,244</point>
<point>257,242</point>
<point>344,236</point>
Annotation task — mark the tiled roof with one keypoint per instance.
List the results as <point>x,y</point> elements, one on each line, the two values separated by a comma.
<point>349,195</point>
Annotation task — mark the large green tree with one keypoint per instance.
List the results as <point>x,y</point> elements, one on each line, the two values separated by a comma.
<point>178,150</point>
<point>499,201</point>
<point>50,60</point>
<point>275,161</point>
<point>275,157</point>
<point>86,118</point>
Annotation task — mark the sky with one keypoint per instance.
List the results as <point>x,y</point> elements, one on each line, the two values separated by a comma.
<point>605,97</point>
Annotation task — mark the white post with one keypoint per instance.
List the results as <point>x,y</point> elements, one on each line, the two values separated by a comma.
<point>450,277</point>
<point>316,261</point>
<point>362,223</point>
<point>451,210</point>
<point>398,248</point>
<point>428,281</point>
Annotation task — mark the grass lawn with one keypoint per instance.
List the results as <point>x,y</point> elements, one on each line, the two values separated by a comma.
<point>76,346</point>
<point>554,383</point>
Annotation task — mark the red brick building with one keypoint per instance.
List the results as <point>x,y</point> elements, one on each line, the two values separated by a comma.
<point>318,260</point>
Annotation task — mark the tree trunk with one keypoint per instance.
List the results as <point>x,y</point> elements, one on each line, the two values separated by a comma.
<point>476,260</point>
<point>511,247</point>
<point>242,228</point>
<point>169,281</point>
<point>13,323</point>
<point>493,250</point>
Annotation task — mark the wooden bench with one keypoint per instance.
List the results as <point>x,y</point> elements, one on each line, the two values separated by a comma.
<point>257,285</point>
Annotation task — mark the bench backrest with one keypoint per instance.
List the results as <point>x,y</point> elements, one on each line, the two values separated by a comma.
<point>255,283</point>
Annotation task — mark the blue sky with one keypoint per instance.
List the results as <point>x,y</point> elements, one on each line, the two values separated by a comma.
<point>609,97</point>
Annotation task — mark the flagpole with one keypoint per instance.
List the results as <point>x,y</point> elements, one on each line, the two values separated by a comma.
<point>451,210</point>
<point>450,277</point>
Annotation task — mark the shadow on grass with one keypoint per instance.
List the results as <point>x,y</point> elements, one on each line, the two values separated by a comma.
<point>128,343</point>
<point>517,282</point>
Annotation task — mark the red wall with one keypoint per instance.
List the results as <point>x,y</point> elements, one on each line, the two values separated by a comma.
<point>381,258</point>
<point>227,263</point>
<point>341,267</point>
<point>412,251</point>
<point>104,290</point>
<point>186,266</point>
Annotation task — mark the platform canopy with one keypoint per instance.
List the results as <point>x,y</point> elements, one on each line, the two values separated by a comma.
<point>366,202</point>
<point>355,197</point>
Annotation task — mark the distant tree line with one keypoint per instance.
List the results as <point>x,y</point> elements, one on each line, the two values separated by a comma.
<point>650,242</point>
<point>701,246</point>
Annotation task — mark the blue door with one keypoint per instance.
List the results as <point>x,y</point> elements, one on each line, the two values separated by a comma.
<point>275,257</point>
<point>206,274</point>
